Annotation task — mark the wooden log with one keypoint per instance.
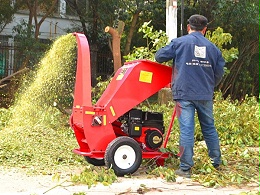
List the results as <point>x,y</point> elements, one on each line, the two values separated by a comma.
<point>12,75</point>
<point>165,96</point>
<point>116,37</point>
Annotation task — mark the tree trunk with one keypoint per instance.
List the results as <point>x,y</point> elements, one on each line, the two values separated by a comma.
<point>29,29</point>
<point>74,5</point>
<point>228,85</point>
<point>131,33</point>
<point>12,75</point>
<point>38,24</point>
<point>116,37</point>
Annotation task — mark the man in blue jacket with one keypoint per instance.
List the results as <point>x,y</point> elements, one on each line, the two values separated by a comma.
<point>198,67</point>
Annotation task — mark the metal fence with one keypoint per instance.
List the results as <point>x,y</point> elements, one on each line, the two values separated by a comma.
<point>11,60</point>
<point>105,66</point>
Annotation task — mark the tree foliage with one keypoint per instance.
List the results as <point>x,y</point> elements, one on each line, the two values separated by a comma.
<point>154,41</point>
<point>104,13</point>
<point>157,39</point>
<point>6,13</point>
<point>29,50</point>
<point>37,7</point>
<point>239,18</point>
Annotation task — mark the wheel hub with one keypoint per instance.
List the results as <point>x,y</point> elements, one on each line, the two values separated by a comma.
<point>124,157</point>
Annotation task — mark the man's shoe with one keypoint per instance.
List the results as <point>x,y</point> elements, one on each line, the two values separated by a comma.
<point>183,173</point>
<point>217,167</point>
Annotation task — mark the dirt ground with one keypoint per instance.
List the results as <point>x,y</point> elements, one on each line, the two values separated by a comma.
<point>16,182</point>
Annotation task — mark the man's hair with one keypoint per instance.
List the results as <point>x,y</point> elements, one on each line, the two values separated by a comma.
<point>197,22</point>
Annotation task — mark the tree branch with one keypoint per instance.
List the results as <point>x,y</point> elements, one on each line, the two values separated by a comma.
<point>12,75</point>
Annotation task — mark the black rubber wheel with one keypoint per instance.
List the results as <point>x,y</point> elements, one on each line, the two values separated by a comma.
<point>123,155</point>
<point>95,161</point>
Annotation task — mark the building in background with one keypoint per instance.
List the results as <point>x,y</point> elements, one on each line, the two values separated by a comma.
<point>63,19</point>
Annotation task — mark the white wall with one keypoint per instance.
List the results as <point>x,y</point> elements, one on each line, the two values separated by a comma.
<point>52,27</point>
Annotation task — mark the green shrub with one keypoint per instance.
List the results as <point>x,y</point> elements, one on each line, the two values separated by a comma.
<point>237,122</point>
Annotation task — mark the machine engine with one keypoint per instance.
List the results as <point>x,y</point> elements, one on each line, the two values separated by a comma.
<point>144,127</point>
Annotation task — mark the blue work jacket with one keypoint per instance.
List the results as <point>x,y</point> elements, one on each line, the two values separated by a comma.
<point>198,66</point>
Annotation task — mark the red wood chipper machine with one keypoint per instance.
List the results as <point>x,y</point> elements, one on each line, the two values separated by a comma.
<point>113,132</point>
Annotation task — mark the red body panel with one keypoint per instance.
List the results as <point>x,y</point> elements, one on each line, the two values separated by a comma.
<point>132,84</point>
<point>82,90</point>
<point>83,74</point>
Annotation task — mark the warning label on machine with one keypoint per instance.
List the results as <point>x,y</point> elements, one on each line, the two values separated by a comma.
<point>145,76</point>
<point>121,74</point>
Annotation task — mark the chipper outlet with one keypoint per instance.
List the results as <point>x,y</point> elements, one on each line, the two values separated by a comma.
<point>113,132</point>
